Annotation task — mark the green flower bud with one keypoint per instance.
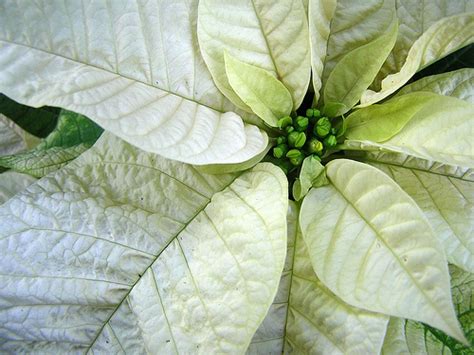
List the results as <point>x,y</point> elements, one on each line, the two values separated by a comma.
<point>330,141</point>
<point>297,161</point>
<point>322,127</point>
<point>296,139</point>
<point>284,122</point>
<point>289,129</point>
<point>292,137</point>
<point>315,146</point>
<point>280,151</point>
<point>294,153</point>
<point>301,123</point>
<point>312,112</point>
<point>333,131</point>
<point>281,140</point>
<point>295,156</point>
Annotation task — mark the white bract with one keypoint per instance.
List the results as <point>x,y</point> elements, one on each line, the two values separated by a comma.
<point>131,249</point>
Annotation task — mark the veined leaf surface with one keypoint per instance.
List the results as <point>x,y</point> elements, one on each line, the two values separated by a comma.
<point>11,183</point>
<point>132,67</point>
<point>353,25</point>
<point>397,156</point>
<point>320,15</point>
<point>354,73</point>
<point>458,83</point>
<point>124,251</point>
<point>408,337</point>
<point>372,246</point>
<point>415,17</point>
<point>380,122</point>
<point>411,338</point>
<point>442,38</point>
<point>307,318</point>
<point>448,203</point>
<point>443,134</point>
<point>267,97</point>
<point>73,135</point>
<point>272,35</point>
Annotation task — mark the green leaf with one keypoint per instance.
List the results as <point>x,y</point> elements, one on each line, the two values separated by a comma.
<point>312,319</point>
<point>259,89</point>
<point>13,139</point>
<point>372,246</point>
<point>39,163</point>
<point>270,35</point>
<point>11,183</point>
<point>320,15</point>
<point>444,135</point>
<point>443,37</point>
<point>448,203</point>
<point>458,83</point>
<point>72,129</point>
<point>415,18</point>
<point>312,174</point>
<point>381,122</point>
<point>410,337</point>
<point>124,242</point>
<point>73,135</point>
<point>135,70</point>
<point>37,121</point>
<point>354,25</point>
<point>357,69</point>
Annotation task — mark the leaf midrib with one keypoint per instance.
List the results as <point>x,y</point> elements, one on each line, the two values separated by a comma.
<point>99,332</point>
<point>123,76</point>
<point>389,249</point>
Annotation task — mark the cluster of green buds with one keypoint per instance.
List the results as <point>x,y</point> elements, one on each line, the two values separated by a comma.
<point>302,136</point>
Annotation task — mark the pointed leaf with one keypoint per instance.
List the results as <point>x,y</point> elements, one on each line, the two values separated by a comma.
<point>354,25</point>
<point>415,17</point>
<point>354,73</point>
<point>259,89</point>
<point>73,135</point>
<point>155,257</point>
<point>270,335</point>
<point>372,246</point>
<point>267,34</point>
<point>442,38</point>
<point>379,123</point>
<point>313,319</point>
<point>321,13</point>
<point>448,203</point>
<point>11,183</point>
<point>408,337</point>
<point>458,83</point>
<point>443,134</point>
<point>134,68</point>
<point>320,322</point>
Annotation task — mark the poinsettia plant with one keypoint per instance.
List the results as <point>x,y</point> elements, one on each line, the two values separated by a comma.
<point>221,211</point>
